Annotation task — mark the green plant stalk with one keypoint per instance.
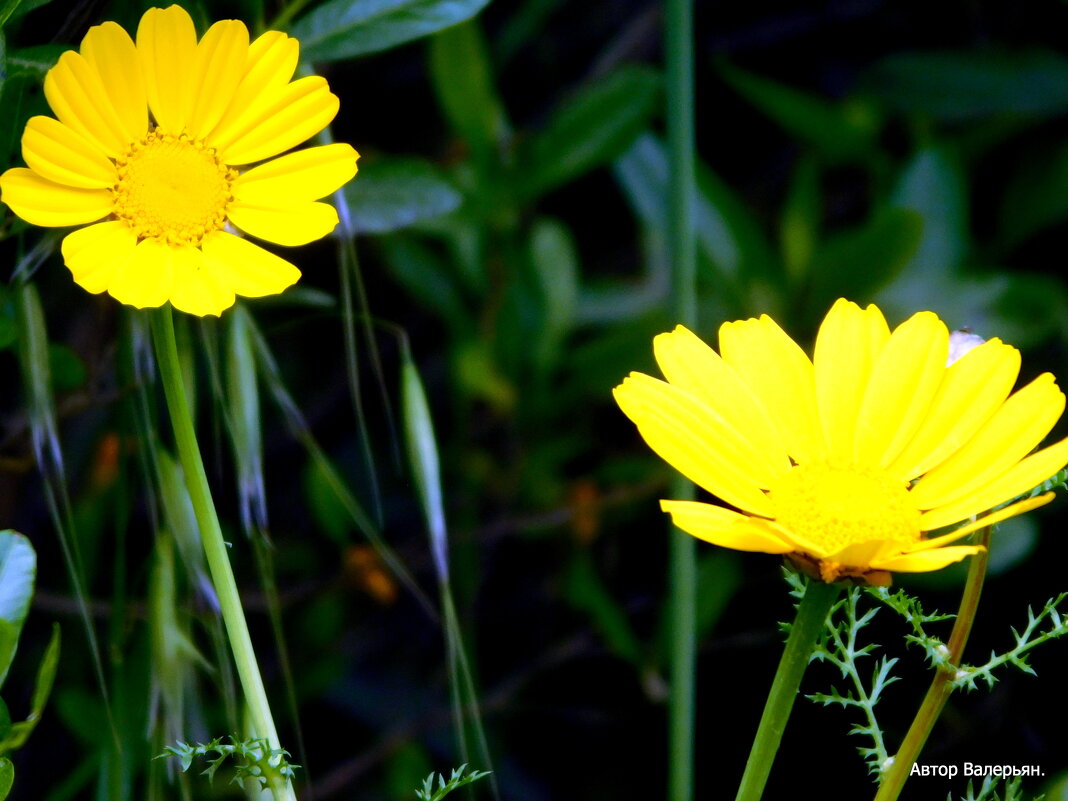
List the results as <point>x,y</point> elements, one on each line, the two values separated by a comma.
<point>222,575</point>
<point>811,616</point>
<point>893,781</point>
<point>682,559</point>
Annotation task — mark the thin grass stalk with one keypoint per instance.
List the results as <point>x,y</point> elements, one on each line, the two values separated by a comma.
<point>682,579</point>
<point>215,550</point>
<point>893,781</point>
<point>37,378</point>
<point>425,466</point>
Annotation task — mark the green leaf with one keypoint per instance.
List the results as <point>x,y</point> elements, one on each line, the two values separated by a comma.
<point>1035,198</point>
<point>730,242</point>
<point>392,194</point>
<point>34,61</point>
<point>42,688</point>
<point>555,258</point>
<point>858,262</point>
<point>933,185</point>
<point>842,131</point>
<point>956,86</point>
<point>586,591</point>
<point>18,568</point>
<point>5,723</point>
<point>590,130</point>
<point>7,777</point>
<point>426,276</point>
<point>26,6</point>
<point>345,28</point>
<point>7,8</point>
<point>463,81</point>
<point>802,213</point>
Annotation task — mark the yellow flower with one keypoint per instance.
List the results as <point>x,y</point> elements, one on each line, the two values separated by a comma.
<point>153,143</point>
<point>846,462</point>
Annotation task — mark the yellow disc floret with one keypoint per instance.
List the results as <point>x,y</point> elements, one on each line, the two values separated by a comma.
<point>172,188</point>
<point>834,508</point>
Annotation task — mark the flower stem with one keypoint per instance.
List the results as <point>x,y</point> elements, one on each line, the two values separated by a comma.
<point>222,575</point>
<point>811,615</point>
<point>682,578</point>
<point>941,685</point>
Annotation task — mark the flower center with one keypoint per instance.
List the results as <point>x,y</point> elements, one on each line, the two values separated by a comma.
<point>835,507</point>
<point>172,188</point>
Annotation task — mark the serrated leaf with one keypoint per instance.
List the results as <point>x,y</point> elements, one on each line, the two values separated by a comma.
<point>393,194</point>
<point>18,569</point>
<point>341,29</point>
<point>592,128</point>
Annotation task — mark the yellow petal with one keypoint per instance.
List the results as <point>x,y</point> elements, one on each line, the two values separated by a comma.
<point>109,49</point>
<point>196,290</point>
<point>1021,478</point>
<point>280,121</point>
<point>297,224</point>
<point>1017,427</point>
<point>925,561</point>
<point>92,254</point>
<point>695,441</point>
<point>77,95</point>
<point>271,61</point>
<point>146,279</point>
<point>692,366</point>
<point>167,48</point>
<point>849,341</point>
<point>974,388</point>
<point>43,202</point>
<point>307,174</point>
<point>220,67</point>
<point>904,380</point>
<point>247,269</point>
<point>57,153</point>
<point>1012,510</point>
<point>779,373</point>
<point>724,527</point>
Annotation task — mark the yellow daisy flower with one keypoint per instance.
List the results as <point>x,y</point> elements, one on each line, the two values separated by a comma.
<point>153,143</point>
<point>845,463</point>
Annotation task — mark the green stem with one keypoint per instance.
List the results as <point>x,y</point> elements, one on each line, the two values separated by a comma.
<point>893,781</point>
<point>682,579</point>
<point>222,575</point>
<point>811,615</point>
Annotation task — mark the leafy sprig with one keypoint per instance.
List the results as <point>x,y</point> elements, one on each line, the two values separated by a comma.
<point>1031,637</point>
<point>909,608</point>
<point>988,791</point>
<point>457,780</point>
<point>252,759</point>
<point>838,646</point>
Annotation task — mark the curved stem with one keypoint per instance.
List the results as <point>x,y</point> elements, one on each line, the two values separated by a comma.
<point>811,615</point>
<point>941,685</point>
<point>222,575</point>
